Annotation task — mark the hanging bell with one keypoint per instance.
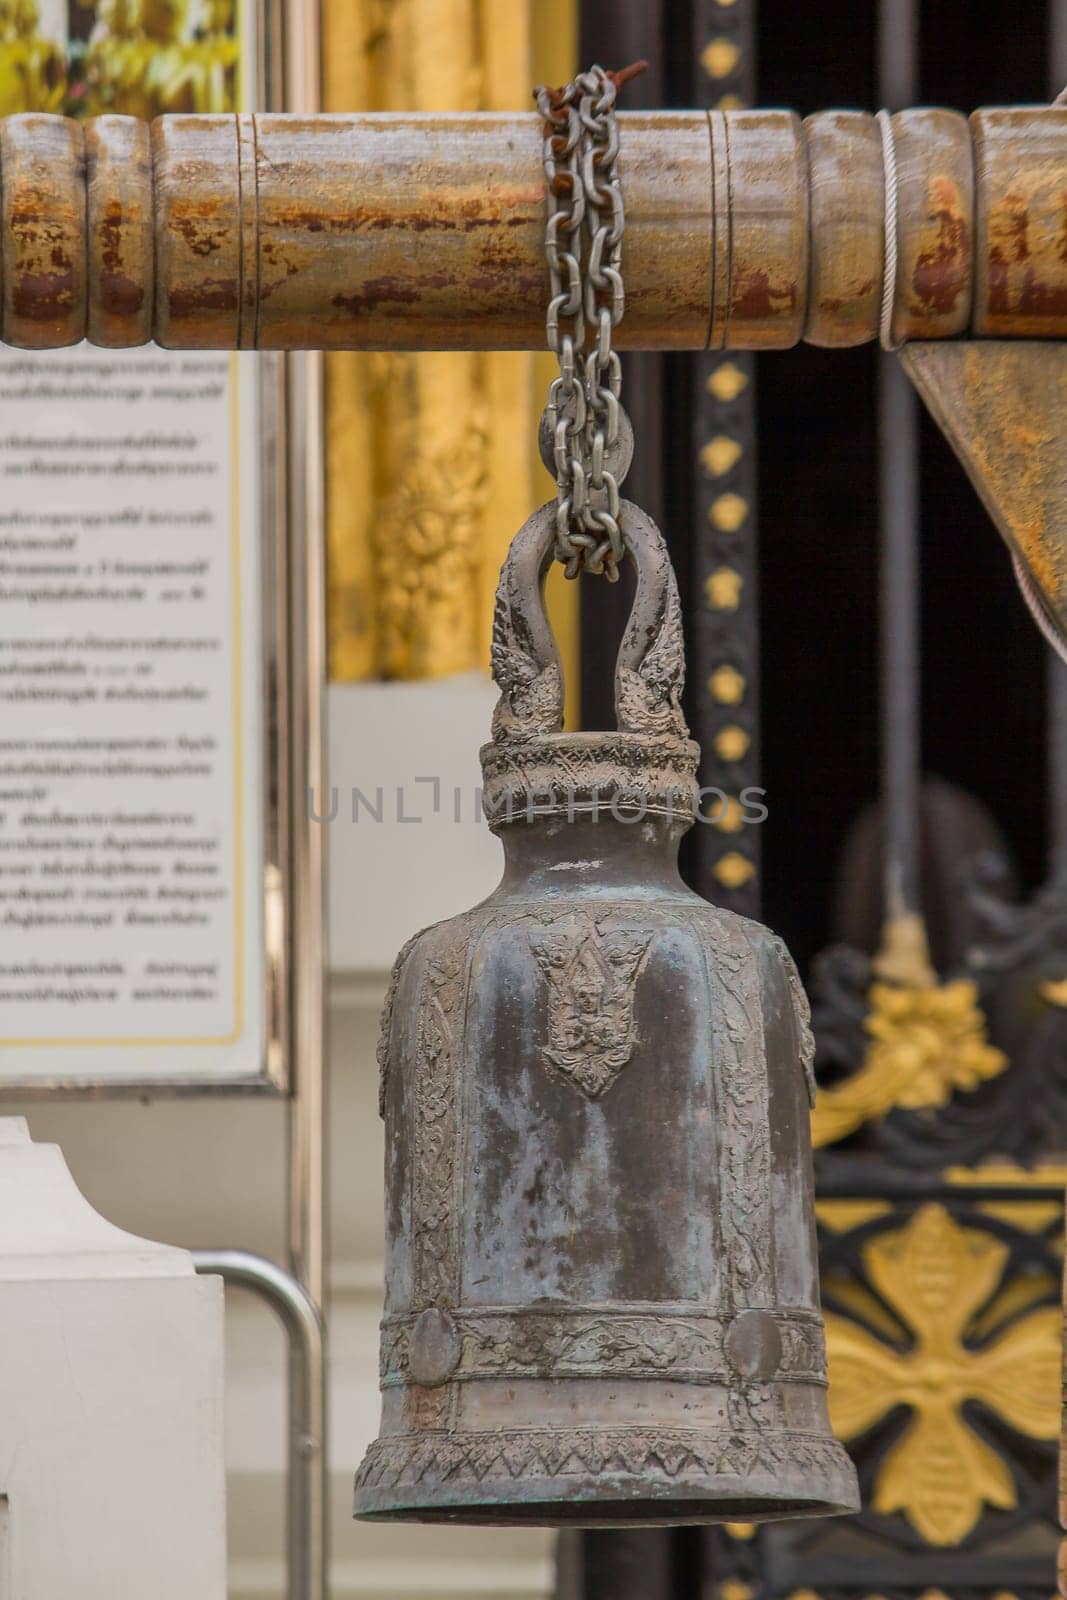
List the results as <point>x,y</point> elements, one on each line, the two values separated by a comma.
<point>601,1281</point>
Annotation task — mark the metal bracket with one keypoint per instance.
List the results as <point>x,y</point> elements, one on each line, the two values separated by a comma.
<point>1003,408</point>
<point>307,1498</point>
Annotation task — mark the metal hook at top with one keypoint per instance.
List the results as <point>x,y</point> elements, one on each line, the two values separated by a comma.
<point>650,669</point>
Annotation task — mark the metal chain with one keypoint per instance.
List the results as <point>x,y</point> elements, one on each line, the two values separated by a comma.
<point>586,299</point>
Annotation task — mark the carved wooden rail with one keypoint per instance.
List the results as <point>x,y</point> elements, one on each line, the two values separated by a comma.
<point>747,230</point>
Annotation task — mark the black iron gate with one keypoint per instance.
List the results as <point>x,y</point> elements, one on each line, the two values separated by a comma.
<point>893,647</point>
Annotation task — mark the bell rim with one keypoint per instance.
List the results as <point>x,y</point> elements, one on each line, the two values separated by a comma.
<point>786,1476</point>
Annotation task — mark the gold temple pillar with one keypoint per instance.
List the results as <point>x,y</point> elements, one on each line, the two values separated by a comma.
<point>431,458</point>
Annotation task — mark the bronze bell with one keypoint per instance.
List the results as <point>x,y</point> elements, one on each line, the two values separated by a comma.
<point>602,1298</point>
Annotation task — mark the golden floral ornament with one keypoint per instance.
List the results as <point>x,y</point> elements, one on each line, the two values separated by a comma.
<point>733,870</point>
<point>427,555</point>
<point>937,1278</point>
<point>735,1589</point>
<point>728,512</point>
<point>723,589</point>
<point>720,58</point>
<point>927,1040</point>
<point>731,743</point>
<point>729,815</point>
<point>726,685</point>
<point>720,455</point>
<point>1055,991</point>
<point>727,382</point>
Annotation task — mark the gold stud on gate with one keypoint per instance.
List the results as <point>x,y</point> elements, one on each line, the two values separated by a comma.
<point>601,1285</point>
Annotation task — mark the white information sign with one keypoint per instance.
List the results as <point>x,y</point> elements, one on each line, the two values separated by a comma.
<point>131,831</point>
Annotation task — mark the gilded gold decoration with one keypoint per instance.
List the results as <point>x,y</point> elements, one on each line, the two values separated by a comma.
<point>739,1530</point>
<point>733,870</point>
<point>727,381</point>
<point>726,685</point>
<point>1048,1175</point>
<point>728,512</point>
<point>731,743</point>
<point>936,1276</point>
<point>432,459</point>
<point>1054,991</point>
<point>904,953</point>
<point>730,102</point>
<point>720,455</point>
<point>723,589</point>
<point>720,58</point>
<point>924,1044</point>
<point>141,57</point>
<point>734,1589</point>
<point>730,816</point>
<point>927,1039</point>
<point>1033,1216</point>
<point>845,1215</point>
<point>427,555</point>
<point>1022,1293</point>
<point>33,68</point>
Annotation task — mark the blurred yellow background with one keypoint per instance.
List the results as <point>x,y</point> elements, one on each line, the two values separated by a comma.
<point>432,460</point>
<point>136,58</point>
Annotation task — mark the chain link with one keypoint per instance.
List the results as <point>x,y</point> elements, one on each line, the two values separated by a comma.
<point>586,302</point>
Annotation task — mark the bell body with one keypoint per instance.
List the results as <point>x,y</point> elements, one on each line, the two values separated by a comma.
<point>602,1297</point>
<point>601,1275</point>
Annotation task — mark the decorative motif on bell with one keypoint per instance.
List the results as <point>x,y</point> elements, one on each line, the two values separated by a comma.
<point>592,976</point>
<point>601,1278</point>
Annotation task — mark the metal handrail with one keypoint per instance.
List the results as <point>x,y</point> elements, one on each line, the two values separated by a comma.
<point>307,1499</point>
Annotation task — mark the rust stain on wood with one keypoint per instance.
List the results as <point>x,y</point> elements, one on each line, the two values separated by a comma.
<point>44,245</point>
<point>942,269</point>
<point>1001,405</point>
<point>426,232</point>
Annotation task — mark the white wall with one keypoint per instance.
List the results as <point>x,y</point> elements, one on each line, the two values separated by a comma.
<point>103,1483</point>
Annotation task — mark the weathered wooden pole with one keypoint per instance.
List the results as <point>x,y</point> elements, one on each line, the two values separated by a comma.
<point>745,230</point>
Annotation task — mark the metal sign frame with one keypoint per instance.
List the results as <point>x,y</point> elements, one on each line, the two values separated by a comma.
<point>290,670</point>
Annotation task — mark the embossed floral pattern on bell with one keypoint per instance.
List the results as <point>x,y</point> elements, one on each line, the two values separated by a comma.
<point>601,1283</point>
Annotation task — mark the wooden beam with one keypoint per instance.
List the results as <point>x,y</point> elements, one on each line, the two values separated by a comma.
<point>425,231</point>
